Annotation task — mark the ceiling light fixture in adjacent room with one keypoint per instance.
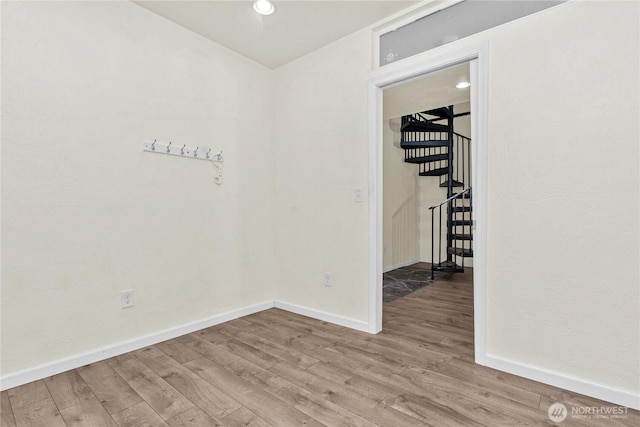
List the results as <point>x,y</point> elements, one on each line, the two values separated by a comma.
<point>263,7</point>
<point>463,85</point>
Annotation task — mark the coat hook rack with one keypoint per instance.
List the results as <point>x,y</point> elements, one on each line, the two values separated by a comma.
<point>182,151</point>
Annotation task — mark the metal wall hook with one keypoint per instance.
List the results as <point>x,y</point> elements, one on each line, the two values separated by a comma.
<point>183,151</point>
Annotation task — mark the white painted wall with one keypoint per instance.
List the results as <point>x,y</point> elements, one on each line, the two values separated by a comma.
<point>321,157</point>
<point>562,295</point>
<point>564,193</point>
<point>400,188</point>
<point>86,213</point>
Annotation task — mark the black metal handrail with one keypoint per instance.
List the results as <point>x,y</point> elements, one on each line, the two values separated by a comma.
<point>451,198</point>
<point>453,249</point>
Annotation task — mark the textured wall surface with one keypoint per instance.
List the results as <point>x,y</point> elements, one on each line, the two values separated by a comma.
<point>321,158</point>
<point>86,213</point>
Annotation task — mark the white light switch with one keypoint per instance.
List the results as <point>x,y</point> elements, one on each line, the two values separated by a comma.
<point>358,194</point>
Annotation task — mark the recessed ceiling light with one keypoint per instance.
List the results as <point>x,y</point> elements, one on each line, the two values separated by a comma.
<point>263,7</point>
<point>463,85</point>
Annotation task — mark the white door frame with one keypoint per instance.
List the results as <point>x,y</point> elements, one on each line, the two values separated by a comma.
<point>477,56</point>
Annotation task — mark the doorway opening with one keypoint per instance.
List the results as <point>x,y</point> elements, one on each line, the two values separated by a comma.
<point>427,193</point>
<point>427,161</point>
<point>401,228</point>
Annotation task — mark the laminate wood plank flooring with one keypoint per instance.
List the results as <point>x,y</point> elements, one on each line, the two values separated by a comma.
<point>276,368</point>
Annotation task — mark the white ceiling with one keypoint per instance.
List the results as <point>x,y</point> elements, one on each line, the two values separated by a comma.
<point>434,90</point>
<point>295,29</point>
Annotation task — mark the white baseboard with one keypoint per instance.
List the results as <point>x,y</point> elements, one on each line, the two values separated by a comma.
<point>400,265</point>
<point>468,262</point>
<point>599,391</point>
<point>607,393</point>
<point>323,315</point>
<point>25,376</point>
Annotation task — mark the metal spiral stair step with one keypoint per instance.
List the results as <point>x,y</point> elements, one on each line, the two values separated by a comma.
<point>462,209</point>
<point>435,172</point>
<point>454,183</point>
<point>442,112</point>
<point>427,143</point>
<point>457,236</point>
<point>418,126</point>
<point>464,252</point>
<point>461,222</point>
<point>427,159</point>
<point>448,267</point>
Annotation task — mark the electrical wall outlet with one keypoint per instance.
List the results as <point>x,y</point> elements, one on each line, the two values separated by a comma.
<point>327,280</point>
<point>126,298</point>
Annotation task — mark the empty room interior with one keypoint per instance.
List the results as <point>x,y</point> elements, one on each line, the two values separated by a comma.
<point>366,213</point>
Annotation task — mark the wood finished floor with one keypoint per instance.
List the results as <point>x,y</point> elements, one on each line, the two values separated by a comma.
<point>279,369</point>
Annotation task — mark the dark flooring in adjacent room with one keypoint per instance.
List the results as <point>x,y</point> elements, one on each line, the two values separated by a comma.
<point>403,281</point>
